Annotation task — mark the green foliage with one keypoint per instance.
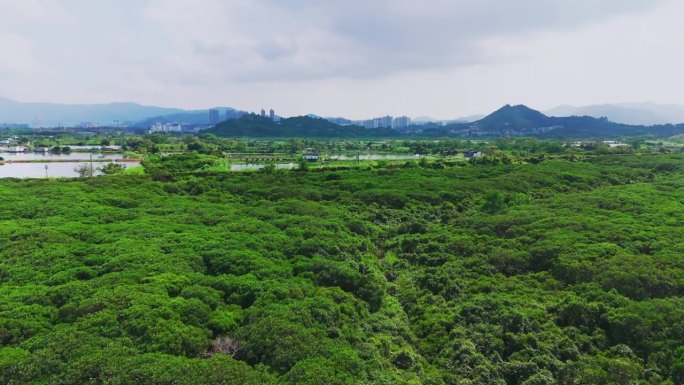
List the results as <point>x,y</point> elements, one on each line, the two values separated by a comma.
<point>84,170</point>
<point>255,126</point>
<point>178,164</point>
<point>112,169</point>
<point>561,271</point>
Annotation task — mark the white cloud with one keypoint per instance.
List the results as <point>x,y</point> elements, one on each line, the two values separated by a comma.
<point>17,55</point>
<point>36,10</point>
<point>267,40</point>
<point>355,57</point>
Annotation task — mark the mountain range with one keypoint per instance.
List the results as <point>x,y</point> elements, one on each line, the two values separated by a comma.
<point>564,121</point>
<point>111,114</point>
<point>521,120</point>
<point>648,113</point>
<point>309,126</point>
<point>509,120</point>
<point>464,119</point>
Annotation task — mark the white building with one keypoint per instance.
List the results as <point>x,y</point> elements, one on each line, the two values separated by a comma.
<point>166,127</point>
<point>613,143</point>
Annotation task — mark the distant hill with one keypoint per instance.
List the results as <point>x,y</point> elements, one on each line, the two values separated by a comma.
<point>54,115</point>
<point>464,119</point>
<point>523,121</point>
<point>199,117</point>
<point>509,120</point>
<point>256,126</point>
<point>512,118</point>
<point>122,114</point>
<point>627,113</point>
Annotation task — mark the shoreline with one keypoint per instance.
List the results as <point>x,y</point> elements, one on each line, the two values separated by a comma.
<point>10,161</point>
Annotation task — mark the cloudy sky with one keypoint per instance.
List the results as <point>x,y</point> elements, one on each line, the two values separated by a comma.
<point>353,58</point>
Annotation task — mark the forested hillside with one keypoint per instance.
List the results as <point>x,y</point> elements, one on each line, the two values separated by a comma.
<point>560,272</point>
<point>255,126</point>
<point>521,120</point>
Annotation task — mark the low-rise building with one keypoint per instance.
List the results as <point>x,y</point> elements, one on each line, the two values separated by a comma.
<point>470,154</point>
<point>310,157</point>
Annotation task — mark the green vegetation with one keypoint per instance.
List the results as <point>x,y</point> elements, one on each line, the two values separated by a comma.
<point>523,121</point>
<point>255,126</point>
<point>514,269</point>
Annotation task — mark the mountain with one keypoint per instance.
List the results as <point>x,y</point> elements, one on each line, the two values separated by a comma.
<point>122,114</point>
<point>423,120</point>
<point>509,120</point>
<point>252,125</point>
<point>464,119</point>
<point>512,118</point>
<point>521,120</point>
<point>198,117</point>
<point>628,113</point>
<point>53,115</point>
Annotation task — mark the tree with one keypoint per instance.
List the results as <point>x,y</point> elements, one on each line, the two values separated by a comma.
<point>494,203</point>
<point>269,168</point>
<point>303,165</point>
<point>224,345</point>
<point>112,169</point>
<point>83,170</point>
<point>195,146</point>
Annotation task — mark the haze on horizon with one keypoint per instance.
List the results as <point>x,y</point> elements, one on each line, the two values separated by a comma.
<point>355,58</point>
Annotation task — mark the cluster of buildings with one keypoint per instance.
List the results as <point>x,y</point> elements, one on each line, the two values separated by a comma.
<point>216,118</point>
<point>609,143</point>
<point>381,122</point>
<point>166,127</point>
<point>11,145</point>
<point>271,114</point>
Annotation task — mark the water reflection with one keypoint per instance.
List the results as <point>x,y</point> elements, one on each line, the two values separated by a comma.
<point>54,170</point>
<point>254,166</point>
<point>374,157</point>
<point>61,157</point>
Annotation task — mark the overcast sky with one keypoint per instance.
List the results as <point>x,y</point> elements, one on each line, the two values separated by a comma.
<point>353,58</point>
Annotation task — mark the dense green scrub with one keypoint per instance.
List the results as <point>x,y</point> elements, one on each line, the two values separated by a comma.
<point>552,273</point>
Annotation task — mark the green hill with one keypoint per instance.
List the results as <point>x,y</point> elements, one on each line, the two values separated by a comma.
<point>524,121</point>
<point>256,126</point>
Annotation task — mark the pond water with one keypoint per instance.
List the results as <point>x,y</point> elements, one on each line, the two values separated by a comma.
<point>375,157</point>
<point>60,157</point>
<point>292,166</point>
<point>54,170</point>
<point>66,163</point>
<point>254,166</point>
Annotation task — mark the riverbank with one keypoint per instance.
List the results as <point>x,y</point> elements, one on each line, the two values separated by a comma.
<point>94,160</point>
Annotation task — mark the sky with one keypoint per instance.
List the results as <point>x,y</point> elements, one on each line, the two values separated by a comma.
<point>353,58</point>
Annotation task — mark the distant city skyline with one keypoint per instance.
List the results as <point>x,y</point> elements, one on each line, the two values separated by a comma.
<point>357,59</point>
<point>16,114</point>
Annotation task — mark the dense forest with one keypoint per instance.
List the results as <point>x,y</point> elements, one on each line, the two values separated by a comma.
<point>255,126</point>
<point>554,271</point>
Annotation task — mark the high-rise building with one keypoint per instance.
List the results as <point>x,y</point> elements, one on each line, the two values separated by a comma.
<point>401,122</point>
<point>263,113</point>
<point>385,122</point>
<point>213,117</point>
<point>271,114</point>
<point>382,122</point>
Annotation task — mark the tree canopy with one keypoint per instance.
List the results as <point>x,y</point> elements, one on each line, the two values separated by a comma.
<point>562,271</point>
